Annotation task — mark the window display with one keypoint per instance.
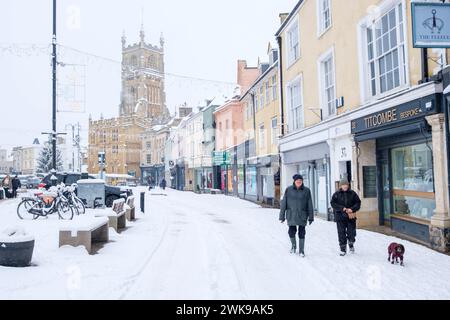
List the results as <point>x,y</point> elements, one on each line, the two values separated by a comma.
<point>412,179</point>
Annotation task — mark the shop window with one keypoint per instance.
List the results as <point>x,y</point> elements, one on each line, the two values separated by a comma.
<point>413,181</point>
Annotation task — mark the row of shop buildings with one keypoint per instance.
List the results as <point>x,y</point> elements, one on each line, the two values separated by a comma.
<point>360,102</point>
<point>344,94</point>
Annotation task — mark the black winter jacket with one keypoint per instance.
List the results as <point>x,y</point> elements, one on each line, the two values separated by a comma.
<point>341,200</point>
<point>16,184</point>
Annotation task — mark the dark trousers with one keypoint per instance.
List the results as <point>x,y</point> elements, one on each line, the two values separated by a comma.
<point>8,194</point>
<point>346,231</point>
<point>14,193</point>
<point>293,232</point>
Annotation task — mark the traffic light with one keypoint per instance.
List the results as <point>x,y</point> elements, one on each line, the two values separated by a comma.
<point>101,158</point>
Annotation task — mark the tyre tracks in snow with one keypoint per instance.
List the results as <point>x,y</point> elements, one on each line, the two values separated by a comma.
<point>131,281</point>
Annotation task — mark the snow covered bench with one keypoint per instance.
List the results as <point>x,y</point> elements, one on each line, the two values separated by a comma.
<point>130,209</point>
<point>116,215</point>
<point>84,231</point>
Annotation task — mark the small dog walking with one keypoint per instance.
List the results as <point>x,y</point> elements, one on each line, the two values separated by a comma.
<point>396,252</point>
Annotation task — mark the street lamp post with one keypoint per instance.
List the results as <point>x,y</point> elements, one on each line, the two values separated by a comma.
<point>54,64</point>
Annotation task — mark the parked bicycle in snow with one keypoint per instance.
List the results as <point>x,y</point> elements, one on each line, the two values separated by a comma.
<point>70,193</point>
<point>47,203</point>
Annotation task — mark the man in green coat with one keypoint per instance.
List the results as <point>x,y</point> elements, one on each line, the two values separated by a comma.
<point>297,208</point>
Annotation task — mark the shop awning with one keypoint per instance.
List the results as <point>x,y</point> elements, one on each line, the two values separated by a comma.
<point>309,153</point>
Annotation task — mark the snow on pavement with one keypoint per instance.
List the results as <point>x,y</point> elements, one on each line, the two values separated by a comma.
<point>190,246</point>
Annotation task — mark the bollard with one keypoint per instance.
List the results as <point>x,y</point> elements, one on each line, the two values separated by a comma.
<point>143,202</point>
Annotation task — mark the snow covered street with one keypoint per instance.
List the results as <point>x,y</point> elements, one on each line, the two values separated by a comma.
<point>190,246</point>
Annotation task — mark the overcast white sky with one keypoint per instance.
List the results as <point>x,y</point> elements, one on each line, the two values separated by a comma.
<point>204,39</point>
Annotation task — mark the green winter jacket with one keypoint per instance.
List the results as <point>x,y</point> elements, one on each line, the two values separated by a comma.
<point>297,207</point>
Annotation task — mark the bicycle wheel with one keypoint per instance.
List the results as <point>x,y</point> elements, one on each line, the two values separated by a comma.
<point>23,209</point>
<point>65,211</point>
<point>80,206</point>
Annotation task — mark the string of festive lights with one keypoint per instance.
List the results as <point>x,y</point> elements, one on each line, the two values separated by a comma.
<point>34,49</point>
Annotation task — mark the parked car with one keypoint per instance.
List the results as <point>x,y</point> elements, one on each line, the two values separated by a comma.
<point>33,182</point>
<point>111,193</point>
<point>24,181</point>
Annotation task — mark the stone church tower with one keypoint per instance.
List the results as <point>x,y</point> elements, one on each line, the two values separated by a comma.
<point>143,92</point>
<point>142,106</point>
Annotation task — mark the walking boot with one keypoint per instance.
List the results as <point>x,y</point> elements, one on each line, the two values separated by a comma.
<point>343,251</point>
<point>294,246</point>
<point>351,245</point>
<point>302,248</point>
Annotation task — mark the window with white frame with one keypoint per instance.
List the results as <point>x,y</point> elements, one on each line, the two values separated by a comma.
<point>262,97</point>
<point>262,136</point>
<point>274,126</point>
<point>324,16</point>
<point>293,43</point>
<point>385,53</point>
<point>274,88</point>
<point>247,111</point>
<point>267,92</point>
<point>328,86</point>
<point>295,105</point>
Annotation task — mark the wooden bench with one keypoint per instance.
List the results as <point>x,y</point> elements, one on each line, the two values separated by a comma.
<point>130,209</point>
<point>84,231</point>
<point>116,215</point>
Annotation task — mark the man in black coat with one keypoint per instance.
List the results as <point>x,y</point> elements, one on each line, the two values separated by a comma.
<point>16,184</point>
<point>297,208</point>
<point>346,203</point>
<point>163,184</point>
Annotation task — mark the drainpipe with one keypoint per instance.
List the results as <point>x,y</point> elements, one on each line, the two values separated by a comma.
<point>280,75</point>
<point>281,93</point>
<point>252,94</point>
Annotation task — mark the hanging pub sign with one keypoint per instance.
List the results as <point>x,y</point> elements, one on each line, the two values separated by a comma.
<point>431,24</point>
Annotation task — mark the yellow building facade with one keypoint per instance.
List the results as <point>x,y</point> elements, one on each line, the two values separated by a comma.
<point>360,103</point>
<point>262,125</point>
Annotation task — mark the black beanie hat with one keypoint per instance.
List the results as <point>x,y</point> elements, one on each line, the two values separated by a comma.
<point>297,177</point>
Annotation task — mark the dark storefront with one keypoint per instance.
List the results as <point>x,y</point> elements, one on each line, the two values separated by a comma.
<point>157,173</point>
<point>403,178</point>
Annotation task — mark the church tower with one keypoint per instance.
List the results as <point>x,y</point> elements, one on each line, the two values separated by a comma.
<point>143,79</point>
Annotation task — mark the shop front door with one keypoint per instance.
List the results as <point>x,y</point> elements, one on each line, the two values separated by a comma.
<point>384,187</point>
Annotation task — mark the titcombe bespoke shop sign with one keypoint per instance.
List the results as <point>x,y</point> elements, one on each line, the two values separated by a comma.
<point>431,25</point>
<point>394,115</point>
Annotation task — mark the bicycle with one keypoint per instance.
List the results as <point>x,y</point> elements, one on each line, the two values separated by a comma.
<point>69,193</point>
<point>45,204</point>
